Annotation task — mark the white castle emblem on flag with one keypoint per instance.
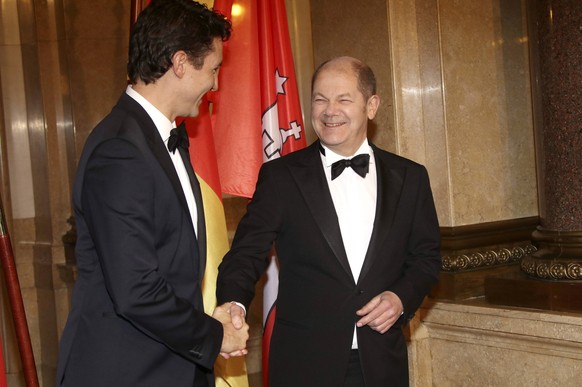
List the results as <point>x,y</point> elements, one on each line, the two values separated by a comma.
<point>275,137</point>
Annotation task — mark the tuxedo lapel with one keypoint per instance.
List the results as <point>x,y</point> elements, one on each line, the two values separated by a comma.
<point>199,206</point>
<point>160,152</point>
<point>390,181</point>
<point>155,143</point>
<point>312,184</point>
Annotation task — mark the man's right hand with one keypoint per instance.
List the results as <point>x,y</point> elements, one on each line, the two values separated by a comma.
<point>236,330</point>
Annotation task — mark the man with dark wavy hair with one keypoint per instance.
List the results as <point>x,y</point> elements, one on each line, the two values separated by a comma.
<point>137,316</point>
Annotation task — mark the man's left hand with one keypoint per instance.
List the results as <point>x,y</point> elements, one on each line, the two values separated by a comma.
<point>381,312</point>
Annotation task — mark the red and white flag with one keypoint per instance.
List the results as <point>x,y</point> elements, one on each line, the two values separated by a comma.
<point>256,115</point>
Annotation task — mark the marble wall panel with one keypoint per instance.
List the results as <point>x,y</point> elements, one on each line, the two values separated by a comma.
<point>55,83</point>
<point>60,147</point>
<point>9,23</point>
<point>97,43</point>
<point>418,93</point>
<point>477,345</point>
<point>488,110</point>
<point>433,115</point>
<point>16,131</point>
<point>15,125</point>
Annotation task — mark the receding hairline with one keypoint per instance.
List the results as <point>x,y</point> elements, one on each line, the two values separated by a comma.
<point>342,61</point>
<point>354,66</point>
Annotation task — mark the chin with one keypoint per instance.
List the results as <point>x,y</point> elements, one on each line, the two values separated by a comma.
<point>332,140</point>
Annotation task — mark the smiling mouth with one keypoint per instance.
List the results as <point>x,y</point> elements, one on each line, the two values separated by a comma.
<point>333,124</point>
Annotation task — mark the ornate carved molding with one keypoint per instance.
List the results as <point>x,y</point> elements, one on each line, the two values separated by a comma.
<point>554,270</point>
<point>559,256</point>
<point>486,245</point>
<point>486,258</point>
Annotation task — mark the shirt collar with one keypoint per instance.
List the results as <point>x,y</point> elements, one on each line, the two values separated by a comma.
<point>330,157</point>
<point>161,122</point>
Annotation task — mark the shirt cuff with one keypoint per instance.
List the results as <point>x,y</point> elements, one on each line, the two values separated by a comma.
<point>241,305</point>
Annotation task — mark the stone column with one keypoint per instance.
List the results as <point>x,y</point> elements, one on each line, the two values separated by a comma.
<point>558,125</point>
<point>556,59</point>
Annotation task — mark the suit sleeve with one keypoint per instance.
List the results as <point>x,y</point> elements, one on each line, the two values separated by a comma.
<point>423,261</point>
<point>248,257</point>
<point>118,204</point>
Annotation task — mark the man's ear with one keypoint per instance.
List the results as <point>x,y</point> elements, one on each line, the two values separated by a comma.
<point>179,60</point>
<point>372,106</point>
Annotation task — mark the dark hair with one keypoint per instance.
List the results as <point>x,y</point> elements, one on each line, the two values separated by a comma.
<point>364,75</point>
<point>167,26</point>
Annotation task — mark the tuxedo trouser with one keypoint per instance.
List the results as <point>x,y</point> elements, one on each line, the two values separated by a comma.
<point>354,376</point>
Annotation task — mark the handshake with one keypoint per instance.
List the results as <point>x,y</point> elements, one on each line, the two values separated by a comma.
<point>236,330</point>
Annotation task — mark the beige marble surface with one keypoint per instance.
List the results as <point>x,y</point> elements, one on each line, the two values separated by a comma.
<point>418,94</point>
<point>15,125</point>
<point>489,125</point>
<point>463,106</point>
<point>480,345</point>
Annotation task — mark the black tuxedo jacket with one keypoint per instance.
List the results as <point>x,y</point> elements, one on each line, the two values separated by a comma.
<point>318,296</point>
<point>137,317</point>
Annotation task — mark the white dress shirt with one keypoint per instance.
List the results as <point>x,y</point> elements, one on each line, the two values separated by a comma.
<point>354,199</point>
<point>164,127</point>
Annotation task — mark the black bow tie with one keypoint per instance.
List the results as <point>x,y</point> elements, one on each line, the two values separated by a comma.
<point>178,138</point>
<point>360,164</point>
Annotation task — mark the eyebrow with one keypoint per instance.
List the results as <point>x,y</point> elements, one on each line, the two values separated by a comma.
<point>344,95</point>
